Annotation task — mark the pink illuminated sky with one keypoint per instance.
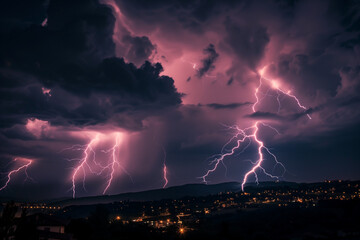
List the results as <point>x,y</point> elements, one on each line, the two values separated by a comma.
<point>111,96</point>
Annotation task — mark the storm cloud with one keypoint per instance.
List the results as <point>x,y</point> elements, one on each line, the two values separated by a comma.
<point>73,56</point>
<point>172,75</point>
<point>208,62</point>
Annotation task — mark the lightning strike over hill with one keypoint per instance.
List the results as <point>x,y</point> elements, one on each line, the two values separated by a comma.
<point>242,138</point>
<point>166,181</point>
<point>114,162</point>
<point>22,167</point>
<point>88,152</point>
<point>89,162</point>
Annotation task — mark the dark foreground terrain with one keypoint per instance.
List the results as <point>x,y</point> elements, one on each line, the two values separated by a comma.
<point>327,210</point>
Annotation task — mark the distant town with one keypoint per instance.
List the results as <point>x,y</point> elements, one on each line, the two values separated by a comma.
<point>189,215</point>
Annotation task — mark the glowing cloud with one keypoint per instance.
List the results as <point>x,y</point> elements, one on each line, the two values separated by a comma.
<point>37,127</point>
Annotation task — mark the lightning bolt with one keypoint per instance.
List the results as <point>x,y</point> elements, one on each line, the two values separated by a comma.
<point>276,86</point>
<point>114,162</point>
<point>242,138</point>
<point>166,181</point>
<point>25,167</point>
<point>88,162</point>
<point>88,152</point>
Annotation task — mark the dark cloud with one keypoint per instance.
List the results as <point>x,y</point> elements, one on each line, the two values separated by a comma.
<point>73,57</point>
<point>18,132</point>
<point>290,117</point>
<point>111,89</point>
<point>217,106</point>
<point>329,42</point>
<point>208,62</point>
<point>30,12</point>
<point>231,80</point>
<point>322,156</point>
<point>297,67</point>
<point>350,81</point>
<point>264,116</point>
<point>139,49</point>
<point>248,41</point>
<point>189,15</point>
<point>351,101</point>
<point>77,34</point>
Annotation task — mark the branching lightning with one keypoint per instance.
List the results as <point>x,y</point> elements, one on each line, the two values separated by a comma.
<point>88,152</point>
<point>22,167</point>
<point>242,138</point>
<point>89,163</point>
<point>114,162</point>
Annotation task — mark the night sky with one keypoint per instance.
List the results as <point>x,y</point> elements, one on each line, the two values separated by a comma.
<point>147,83</point>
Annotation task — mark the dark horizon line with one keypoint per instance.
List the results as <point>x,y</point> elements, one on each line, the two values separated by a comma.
<point>252,184</point>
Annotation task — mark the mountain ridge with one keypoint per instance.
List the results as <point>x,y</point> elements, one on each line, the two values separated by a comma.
<point>175,192</point>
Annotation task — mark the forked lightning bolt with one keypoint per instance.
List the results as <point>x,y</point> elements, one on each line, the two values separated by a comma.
<point>88,152</point>
<point>244,137</point>
<point>276,86</point>
<point>89,162</point>
<point>23,167</point>
<point>114,162</point>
